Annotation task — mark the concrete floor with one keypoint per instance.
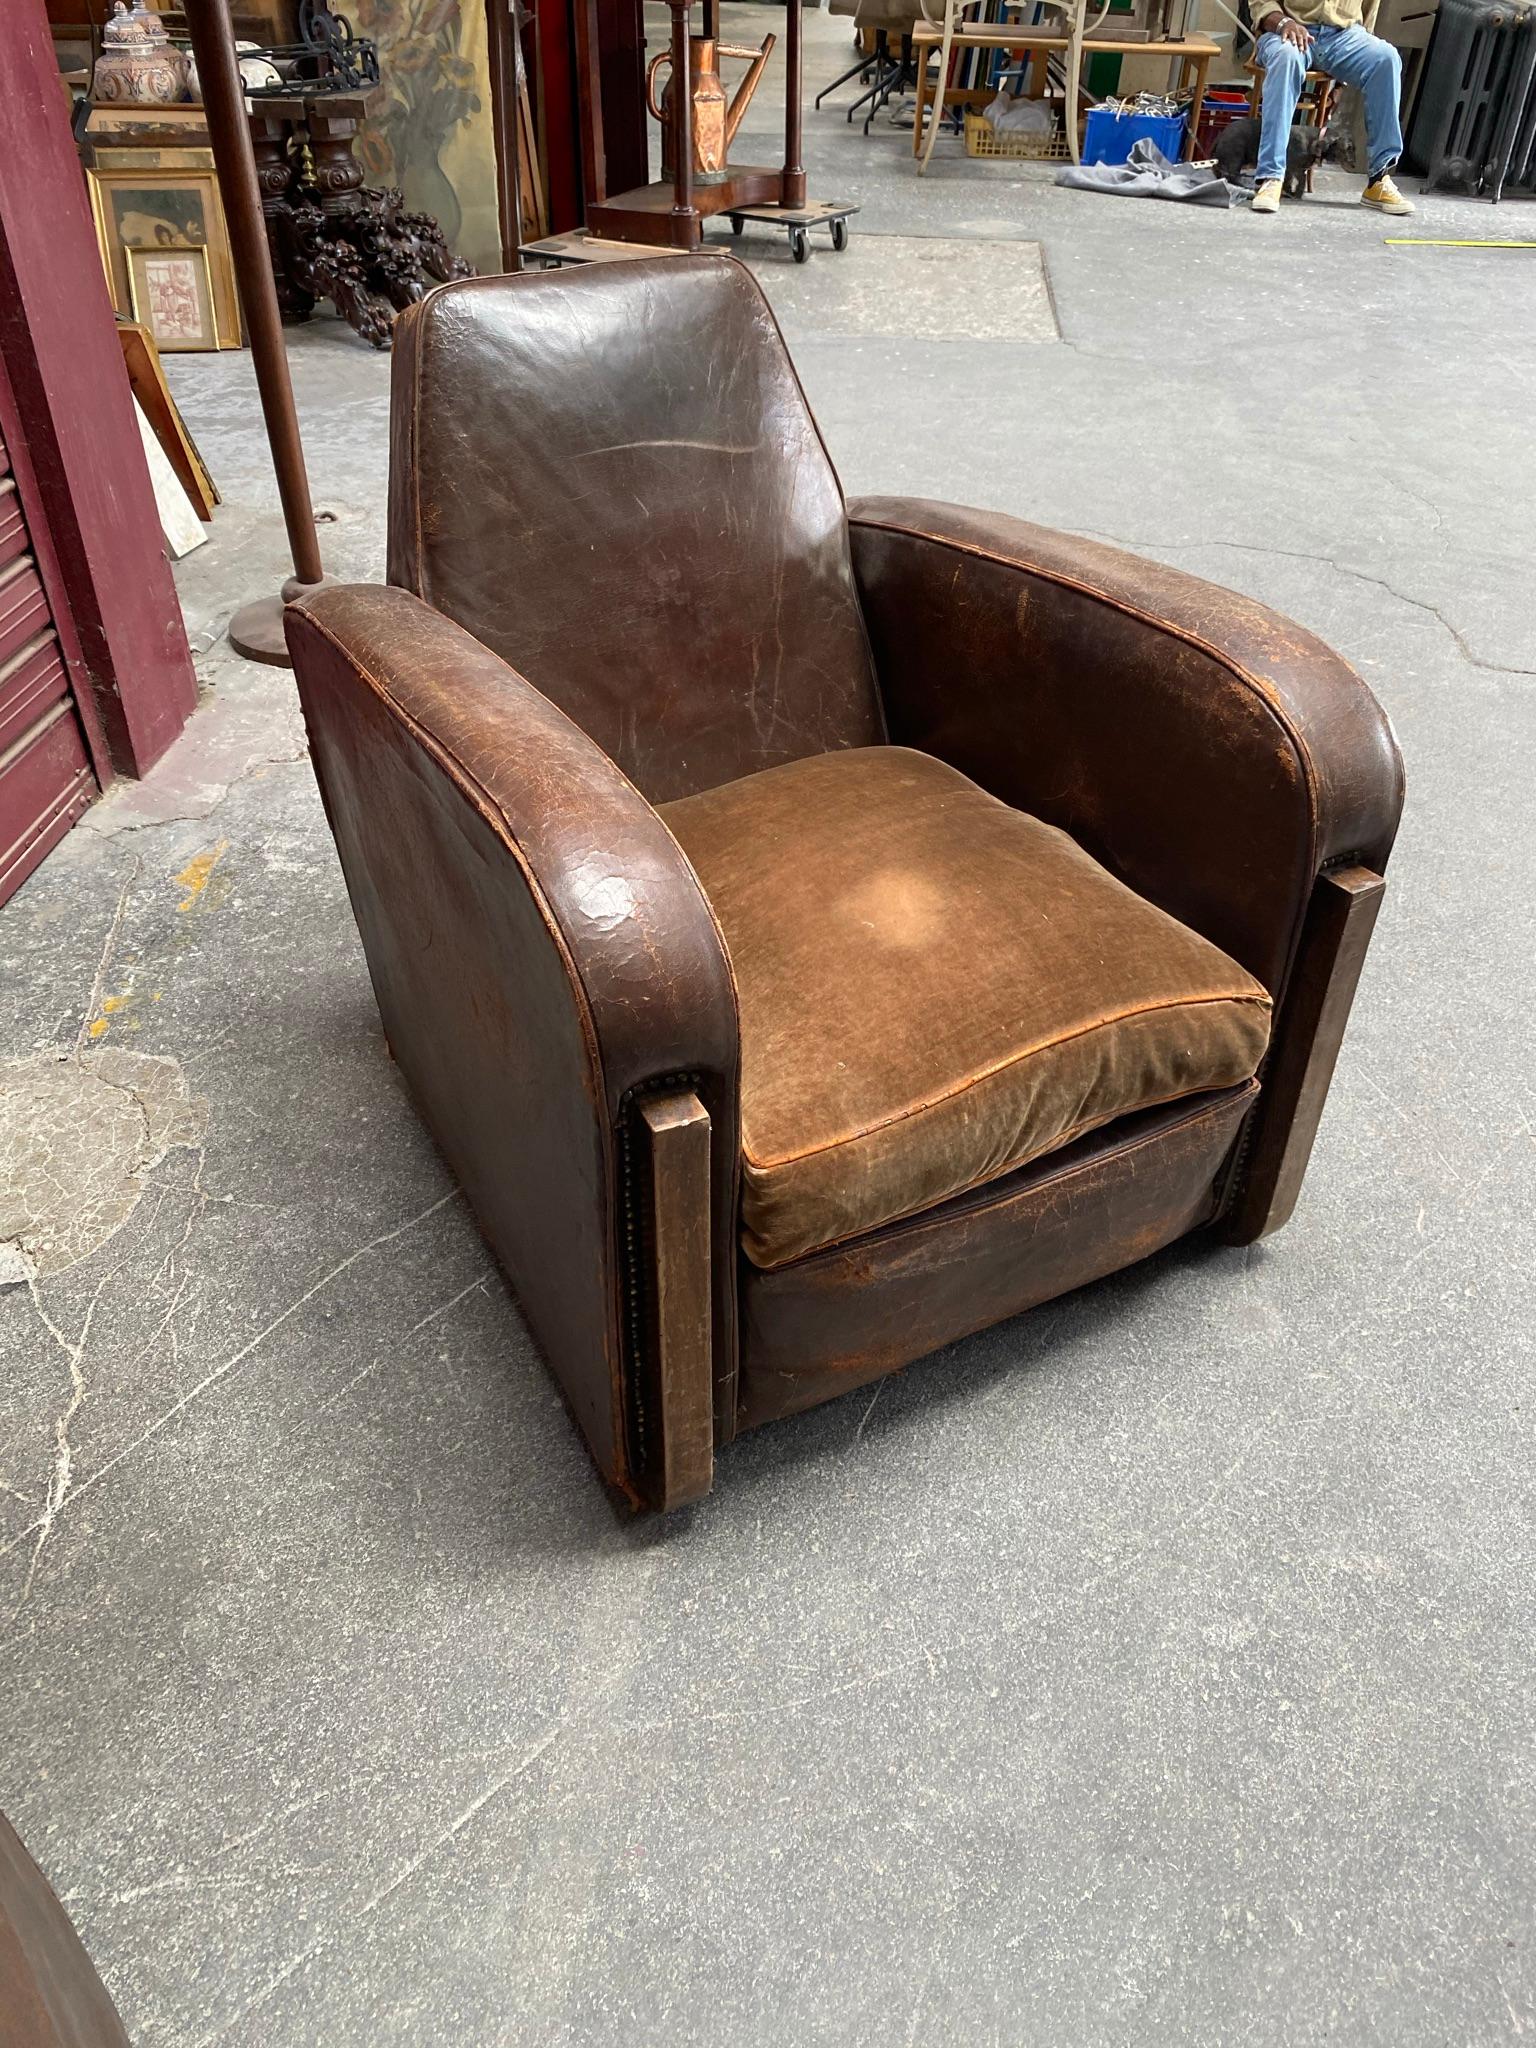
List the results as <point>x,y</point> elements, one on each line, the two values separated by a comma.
<point>1156,1668</point>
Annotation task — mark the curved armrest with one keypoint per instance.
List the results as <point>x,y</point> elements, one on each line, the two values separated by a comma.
<point>544,960</point>
<point>1216,757</point>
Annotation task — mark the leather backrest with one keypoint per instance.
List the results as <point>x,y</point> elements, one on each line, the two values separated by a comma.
<point>611,477</point>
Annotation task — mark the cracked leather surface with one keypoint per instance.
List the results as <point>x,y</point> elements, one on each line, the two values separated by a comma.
<point>539,947</point>
<point>662,547</point>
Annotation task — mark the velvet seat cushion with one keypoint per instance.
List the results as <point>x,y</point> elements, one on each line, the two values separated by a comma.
<point>936,989</point>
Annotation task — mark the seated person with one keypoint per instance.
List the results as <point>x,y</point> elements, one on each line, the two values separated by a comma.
<point>1329,36</point>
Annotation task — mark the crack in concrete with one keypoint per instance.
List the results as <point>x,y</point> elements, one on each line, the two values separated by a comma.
<point>431,1316</point>
<point>237,1358</point>
<point>80,1127</point>
<point>64,1456</point>
<point>196,1210</point>
<point>1410,491</point>
<point>109,947</point>
<point>325,1942</point>
<point>79,1132</point>
<point>1193,545</point>
<point>74,1168</point>
<point>102,822</point>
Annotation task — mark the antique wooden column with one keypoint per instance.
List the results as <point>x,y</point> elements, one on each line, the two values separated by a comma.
<point>256,630</point>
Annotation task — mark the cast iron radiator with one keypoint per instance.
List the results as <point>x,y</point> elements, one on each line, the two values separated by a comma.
<point>1474,124</point>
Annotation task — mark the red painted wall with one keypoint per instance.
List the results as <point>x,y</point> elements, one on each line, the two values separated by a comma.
<point>77,415</point>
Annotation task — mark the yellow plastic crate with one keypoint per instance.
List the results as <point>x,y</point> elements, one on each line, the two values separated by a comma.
<point>982,139</point>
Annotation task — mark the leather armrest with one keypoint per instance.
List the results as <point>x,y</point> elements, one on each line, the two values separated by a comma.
<point>1212,754</point>
<point>542,954</point>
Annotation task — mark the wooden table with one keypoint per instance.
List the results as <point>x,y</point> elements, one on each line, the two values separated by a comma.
<point>330,236</point>
<point>1192,54</point>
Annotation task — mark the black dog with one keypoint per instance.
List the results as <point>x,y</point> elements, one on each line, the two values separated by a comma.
<point>1237,148</point>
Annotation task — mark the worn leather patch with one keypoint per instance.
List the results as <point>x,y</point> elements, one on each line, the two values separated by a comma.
<point>936,988</point>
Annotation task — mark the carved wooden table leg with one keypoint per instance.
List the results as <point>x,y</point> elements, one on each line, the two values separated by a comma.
<point>270,138</point>
<point>337,175</point>
<point>337,239</point>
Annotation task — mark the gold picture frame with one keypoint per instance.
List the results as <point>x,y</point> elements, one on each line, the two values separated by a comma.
<point>150,206</point>
<point>170,288</point>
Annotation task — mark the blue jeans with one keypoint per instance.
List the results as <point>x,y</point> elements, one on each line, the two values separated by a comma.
<point>1354,58</point>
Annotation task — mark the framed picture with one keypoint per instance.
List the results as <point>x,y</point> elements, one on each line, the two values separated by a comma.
<point>171,289</point>
<point>149,207</point>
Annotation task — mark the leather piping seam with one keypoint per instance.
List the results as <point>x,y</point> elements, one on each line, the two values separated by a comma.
<point>931,1219</point>
<point>413,467</point>
<point>495,816</point>
<point>1222,656</point>
<point>417,361</point>
<point>1084,1128</point>
<point>1014,1059</point>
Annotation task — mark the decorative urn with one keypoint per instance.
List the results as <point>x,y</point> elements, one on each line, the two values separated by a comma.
<point>138,60</point>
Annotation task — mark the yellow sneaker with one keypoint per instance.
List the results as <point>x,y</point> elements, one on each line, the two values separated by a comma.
<point>1266,198</point>
<point>1385,197</point>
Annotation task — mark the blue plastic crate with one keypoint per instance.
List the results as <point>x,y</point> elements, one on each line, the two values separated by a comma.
<point>1107,137</point>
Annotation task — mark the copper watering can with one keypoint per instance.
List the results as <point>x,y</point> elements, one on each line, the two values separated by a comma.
<point>715,118</point>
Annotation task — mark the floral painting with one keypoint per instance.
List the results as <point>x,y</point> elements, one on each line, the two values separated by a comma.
<point>431,135</point>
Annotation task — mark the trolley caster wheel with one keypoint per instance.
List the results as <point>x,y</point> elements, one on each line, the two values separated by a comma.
<point>839,235</point>
<point>800,245</point>
<point>737,223</point>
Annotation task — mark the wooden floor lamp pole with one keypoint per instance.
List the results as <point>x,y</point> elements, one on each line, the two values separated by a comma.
<point>256,630</point>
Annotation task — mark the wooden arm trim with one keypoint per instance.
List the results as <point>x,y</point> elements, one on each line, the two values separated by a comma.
<point>1271,1161</point>
<point>674,1191</point>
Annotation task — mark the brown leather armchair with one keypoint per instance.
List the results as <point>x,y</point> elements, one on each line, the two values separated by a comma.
<point>812,933</point>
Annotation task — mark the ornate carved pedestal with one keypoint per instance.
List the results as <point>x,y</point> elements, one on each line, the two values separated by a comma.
<point>330,236</point>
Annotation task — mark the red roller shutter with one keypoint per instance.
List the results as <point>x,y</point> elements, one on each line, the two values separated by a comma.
<point>46,778</point>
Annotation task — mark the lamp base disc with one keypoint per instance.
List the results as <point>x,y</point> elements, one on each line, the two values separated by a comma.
<point>256,630</point>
